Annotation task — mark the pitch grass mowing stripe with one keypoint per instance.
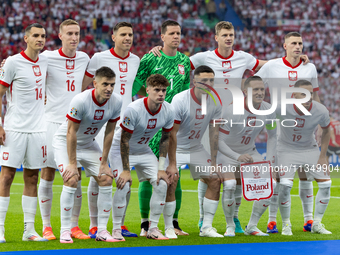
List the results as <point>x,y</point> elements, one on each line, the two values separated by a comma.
<point>292,248</point>
<point>188,219</point>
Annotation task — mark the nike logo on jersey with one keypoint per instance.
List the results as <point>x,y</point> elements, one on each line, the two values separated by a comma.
<point>94,194</point>
<point>38,81</point>
<point>198,123</point>
<point>69,73</point>
<point>158,68</point>
<point>284,203</point>
<point>248,131</point>
<point>309,196</point>
<point>291,85</point>
<point>297,130</point>
<point>122,76</point>
<point>67,209</point>
<point>225,72</point>
<point>44,201</point>
<point>323,202</point>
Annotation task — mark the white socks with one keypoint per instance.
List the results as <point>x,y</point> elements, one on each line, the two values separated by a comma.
<point>104,207</point>
<point>228,201</point>
<point>238,199</point>
<point>285,202</point>
<point>119,205</point>
<point>66,206</point>
<point>274,203</point>
<point>128,195</point>
<point>45,194</point>
<point>168,214</point>
<point>4,202</point>
<point>92,196</point>
<point>78,197</point>
<point>202,188</point>
<point>306,195</point>
<point>29,206</point>
<point>321,200</point>
<point>210,207</point>
<point>157,202</point>
<point>259,207</point>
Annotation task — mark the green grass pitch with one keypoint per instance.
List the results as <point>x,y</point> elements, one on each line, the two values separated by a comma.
<point>188,219</point>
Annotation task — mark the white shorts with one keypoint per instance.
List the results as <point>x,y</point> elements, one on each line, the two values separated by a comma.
<point>89,157</point>
<point>198,161</point>
<point>229,164</point>
<point>28,149</point>
<point>289,161</point>
<point>146,164</point>
<point>52,128</point>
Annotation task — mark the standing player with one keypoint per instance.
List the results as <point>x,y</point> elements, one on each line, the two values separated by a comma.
<point>175,66</point>
<point>334,143</point>
<point>298,149</point>
<point>125,65</point>
<point>237,144</point>
<point>141,120</point>
<point>65,71</point>
<point>283,73</point>
<point>23,137</point>
<point>74,143</point>
<point>185,147</point>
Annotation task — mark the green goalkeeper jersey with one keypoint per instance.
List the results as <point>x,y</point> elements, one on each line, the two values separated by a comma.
<point>176,69</point>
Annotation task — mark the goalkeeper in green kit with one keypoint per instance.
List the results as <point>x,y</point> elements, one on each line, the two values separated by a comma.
<point>176,67</point>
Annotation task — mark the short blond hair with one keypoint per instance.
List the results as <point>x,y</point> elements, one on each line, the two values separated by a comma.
<point>223,25</point>
<point>67,22</point>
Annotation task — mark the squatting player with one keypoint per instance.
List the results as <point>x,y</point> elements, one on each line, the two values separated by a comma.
<point>125,65</point>
<point>65,71</point>
<point>185,147</point>
<point>141,120</point>
<point>23,137</point>
<point>237,145</point>
<point>74,142</point>
<point>297,149</point>
<point>175,66</point>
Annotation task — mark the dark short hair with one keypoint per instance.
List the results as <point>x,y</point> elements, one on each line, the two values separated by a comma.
<point>29,27</point>
<point>168,23</point>
<point>250,79</point>
<point>156,80</point>
<point>203,69</point>
<point>121,24</point>
<point>292,34</point>
<point>106,72</point>
<point>300,83</point>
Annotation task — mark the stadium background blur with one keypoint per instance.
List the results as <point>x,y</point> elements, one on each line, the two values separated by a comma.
<point>259,25</point>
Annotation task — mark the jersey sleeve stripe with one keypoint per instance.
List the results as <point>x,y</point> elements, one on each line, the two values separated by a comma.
<point>257,63</point>
<point>126,129</point>
<point>72,119</point>
<point>167,129</point>
<point>316,89</point>
<point>4,84</point>
<point>192,65</point>
<point>326,126</point>
<point>177,122</point>
<point>224,131</point>
<point>114,120</point>
<point>88,74</point>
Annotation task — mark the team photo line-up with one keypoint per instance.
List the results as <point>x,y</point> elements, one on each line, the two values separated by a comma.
<point>157,133</point>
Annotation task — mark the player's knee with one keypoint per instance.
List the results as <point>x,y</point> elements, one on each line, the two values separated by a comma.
<point>31,180</point>
<point>6,179</point>
<point>214,184</point>
<point>286,182</point>
<point>72,182</point>
<point>161,188</point>
<point>229,185</point>
<point>325,185</point>
<point>105,181</point>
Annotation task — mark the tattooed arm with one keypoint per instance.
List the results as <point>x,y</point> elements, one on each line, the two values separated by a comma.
<point>125,176</point>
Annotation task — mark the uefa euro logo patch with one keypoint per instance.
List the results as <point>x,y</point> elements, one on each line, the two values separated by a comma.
<point>126,121</point>
<point>73,112</point>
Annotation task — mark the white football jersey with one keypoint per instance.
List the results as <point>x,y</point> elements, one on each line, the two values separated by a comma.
<point>85,109</point>
<point>64,81</point>
<point>242,130</point>
<point>301,136</point>
<point>25,80</point>
<point>188,113</point>
<point>124,68</point>
<point>280,73</point>
<point>143,125</point>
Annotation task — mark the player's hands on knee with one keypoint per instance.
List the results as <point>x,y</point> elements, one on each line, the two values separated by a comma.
<point>70,171</point>
<point>172,173</point>
<point>162,175</point>
<point>2,136</point>
<point>245,158</point>
<point>156,51</point>
<point>304,59</point>
<point>123,178</point>
<point>323,164</point>
<point>104,169</point>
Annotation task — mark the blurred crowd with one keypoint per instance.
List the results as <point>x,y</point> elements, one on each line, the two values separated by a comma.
<point>320,31</point>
